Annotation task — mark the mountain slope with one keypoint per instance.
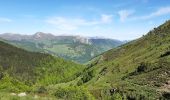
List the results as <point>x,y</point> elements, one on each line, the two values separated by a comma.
<point>25,68</point>
<point>139,69</point>
<point>76,48</point>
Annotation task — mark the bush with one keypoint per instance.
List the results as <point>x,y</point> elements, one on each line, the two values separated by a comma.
<point>165,96</point>
<point>116,96</point>
<point>80,82</point>
<point>87,76</point>
<point>1,75</point>
<point>73,93</point>
<point>10,84</point>
<point>42,89</point>
<point>165,54</point>
<point>142,67</point>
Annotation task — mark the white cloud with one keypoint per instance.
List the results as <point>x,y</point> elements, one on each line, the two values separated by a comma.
<point>73,24</point>
<point>5,19</point>
<point>106,18</point>
<point>63,23</point>
<point>159,12</point>
<point>124,14</point>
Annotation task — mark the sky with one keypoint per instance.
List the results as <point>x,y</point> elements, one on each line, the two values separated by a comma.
<point>117,19</point>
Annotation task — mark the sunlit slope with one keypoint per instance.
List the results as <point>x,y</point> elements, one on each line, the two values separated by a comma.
<point>138,68</point>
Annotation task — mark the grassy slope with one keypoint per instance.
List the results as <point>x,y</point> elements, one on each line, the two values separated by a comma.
<point>118,68</point>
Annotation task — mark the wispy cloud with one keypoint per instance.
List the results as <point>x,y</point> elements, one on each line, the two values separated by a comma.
<point>159,12</point>
<point>2,19</point>
<point>127,14</point>
<point>73,24</point>
<point>106,18</point>
<point>124,14</point>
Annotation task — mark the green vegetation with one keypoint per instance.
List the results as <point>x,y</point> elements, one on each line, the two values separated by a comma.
<point>23,71</point>
<point>73,93</point>
<point>138,70</point>
<point>31,67</point>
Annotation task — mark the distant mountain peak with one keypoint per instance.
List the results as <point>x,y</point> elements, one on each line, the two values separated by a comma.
<point>82,39</point>
<point>38,34</point>
<point>41,35</point>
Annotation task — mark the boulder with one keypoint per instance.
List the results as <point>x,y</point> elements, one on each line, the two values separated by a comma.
<point>22,94</point>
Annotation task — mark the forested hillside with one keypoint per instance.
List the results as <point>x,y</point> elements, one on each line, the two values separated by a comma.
<point>31,68</point>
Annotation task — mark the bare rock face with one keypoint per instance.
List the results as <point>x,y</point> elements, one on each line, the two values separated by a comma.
<point>41,35</point>
<point>82,40</point>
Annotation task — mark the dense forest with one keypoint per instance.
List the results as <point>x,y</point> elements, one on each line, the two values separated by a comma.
<point>34,68</point>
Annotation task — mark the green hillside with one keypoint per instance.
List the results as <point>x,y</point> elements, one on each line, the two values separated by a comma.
<point>26,69</point>
<point>138,70</point>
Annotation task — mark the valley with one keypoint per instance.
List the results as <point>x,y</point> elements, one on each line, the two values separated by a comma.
<point>73,48</point>
<point>137,70</point>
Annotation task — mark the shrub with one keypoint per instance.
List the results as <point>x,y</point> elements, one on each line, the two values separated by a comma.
<point>165,54</point>
<point>142,67</point>
<point>73,93</point>
<point>42,89</point>
<point>1,75</point>
<point>116,96</point>
<point>80,82</point>
<point>165,96</point>
<point>87,76</point>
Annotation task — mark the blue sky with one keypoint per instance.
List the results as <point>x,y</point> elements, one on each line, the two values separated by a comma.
<point>118,19</point>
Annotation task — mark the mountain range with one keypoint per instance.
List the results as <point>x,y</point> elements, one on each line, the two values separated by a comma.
<point>74,48</point>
